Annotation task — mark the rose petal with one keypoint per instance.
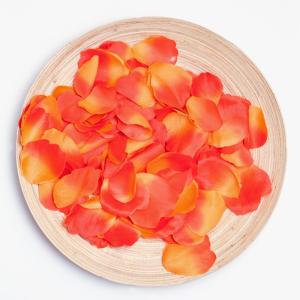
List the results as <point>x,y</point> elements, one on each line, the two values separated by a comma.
<point>182,135</point>
<point>214,174</point>
<point>255,183</point>
<point>58,90</point>
<point>188,260</point>
<point>81,182</point>
<point>207,86</point>
<point>169,225</point>
<point>258,132</point>
<point>234,113</point>
<point>122,185</point>
<point>116,149</point>
<point>135,132</point>
<point>155,49</point>
<point>209,209</point>
<point>140,201</point>
<point>85,77</point>
<point>45,194</point>
<point>185,236</point>
<point>240,157</point>
<point>162,201</point>
<point>170,84</point>
<point>41,161</point>
<point>118,47</point>
<point>101,100</point>
<point>204,113</point>
<point>121,234</point>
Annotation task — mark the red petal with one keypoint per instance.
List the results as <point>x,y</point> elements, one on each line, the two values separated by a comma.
<point>240,157</point>
<point>155,49</point>
<point>207,86</point>
<point>121,234</point>
<point>185,236</point>
<point>118,47</point>
<point>41,161</point>
<point>116,149</point>
<point>168,226</point>
<point>45,194</point>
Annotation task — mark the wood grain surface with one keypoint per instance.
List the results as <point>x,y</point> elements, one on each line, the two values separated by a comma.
<point>199,50</point>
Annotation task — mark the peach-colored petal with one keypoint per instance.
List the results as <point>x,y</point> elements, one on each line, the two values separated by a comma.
<point>41,161</point>
<point>170,84</point>
<point>81,182</point>
<point>101,100</point>
<point>258,132</point>
<point>45,194</point>
<point>154,49</point>
<point>214,174</point>
<point>234,114</point>
<point>135,132</point>
<point>182,135</point>
<point>204,113</point>
<point>85,77</point>
<point>116,149</point>
<point>209,209</point>
<point>122,185</point>
<point>185,236</point>
<point>58,90</point>
<point>188,260</point>
<point>240,157</point>
<point>162,201</point>
<point>118,47</point>
<point>207,86</point>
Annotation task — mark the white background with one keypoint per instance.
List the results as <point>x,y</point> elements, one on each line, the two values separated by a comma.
<point>33,31</point>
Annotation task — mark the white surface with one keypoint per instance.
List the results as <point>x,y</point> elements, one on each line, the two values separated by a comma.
<point>31,32</point>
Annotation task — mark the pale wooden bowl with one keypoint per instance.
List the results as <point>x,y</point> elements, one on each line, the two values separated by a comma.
<point>199,49</point>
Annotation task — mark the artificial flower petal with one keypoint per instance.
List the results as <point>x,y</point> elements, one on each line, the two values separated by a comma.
<point>70,188</point>
<point>41,161</point>
<point>170,84</point>
<point>240,157</point>
<point>45,194</point>
<point>188,260</point>
<point>116,149</point>
<point>118,47</point>
<point>154,49</point>
<point>185,236</point>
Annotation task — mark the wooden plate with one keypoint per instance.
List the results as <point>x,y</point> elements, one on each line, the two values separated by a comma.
<point>199,49</point>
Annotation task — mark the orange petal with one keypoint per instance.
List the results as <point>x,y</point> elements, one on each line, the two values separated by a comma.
<point>116,149</point>
<point>121,234</point>
<point>135,132</point>
<point>100,101</point>
<point>214,174</point>
<point>85,77</point>
<point>135,88</point>
<point>209,209</point>
<point>183,136</point>
<point>88,222</point>
<point>122,185</point>
<point>58,90</point>
<point>142,157</point>
<point>207,86</point>
<point>240,157</point>
<point>110,204</point>
<point>255,183</point>
<point>133,146</point>
<point>66,144</point>
<point>234,113</point>
<point>110,68</point>
<point>169,160</point>
<point>33,125</point>
<point>81,182</point>
<point>204,113</point>
<point>154,49</point>
<point>41,161</point>
<point>162,201</point>
<point>188,260</point>
<point>45,194</point>
<point>258,132</point>
<point>118,47</point>
<point>185,236</point>
<point>170,84</point>
<point>69,109</point>
<point>187,199</point>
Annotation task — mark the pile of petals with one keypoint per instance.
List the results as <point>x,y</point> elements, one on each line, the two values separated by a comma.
<point>139,147</point>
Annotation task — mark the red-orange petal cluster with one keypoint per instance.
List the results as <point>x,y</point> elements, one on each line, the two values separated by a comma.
<point>138,147</point>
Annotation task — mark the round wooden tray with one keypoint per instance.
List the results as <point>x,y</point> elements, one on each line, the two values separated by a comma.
<point>199,49</point>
